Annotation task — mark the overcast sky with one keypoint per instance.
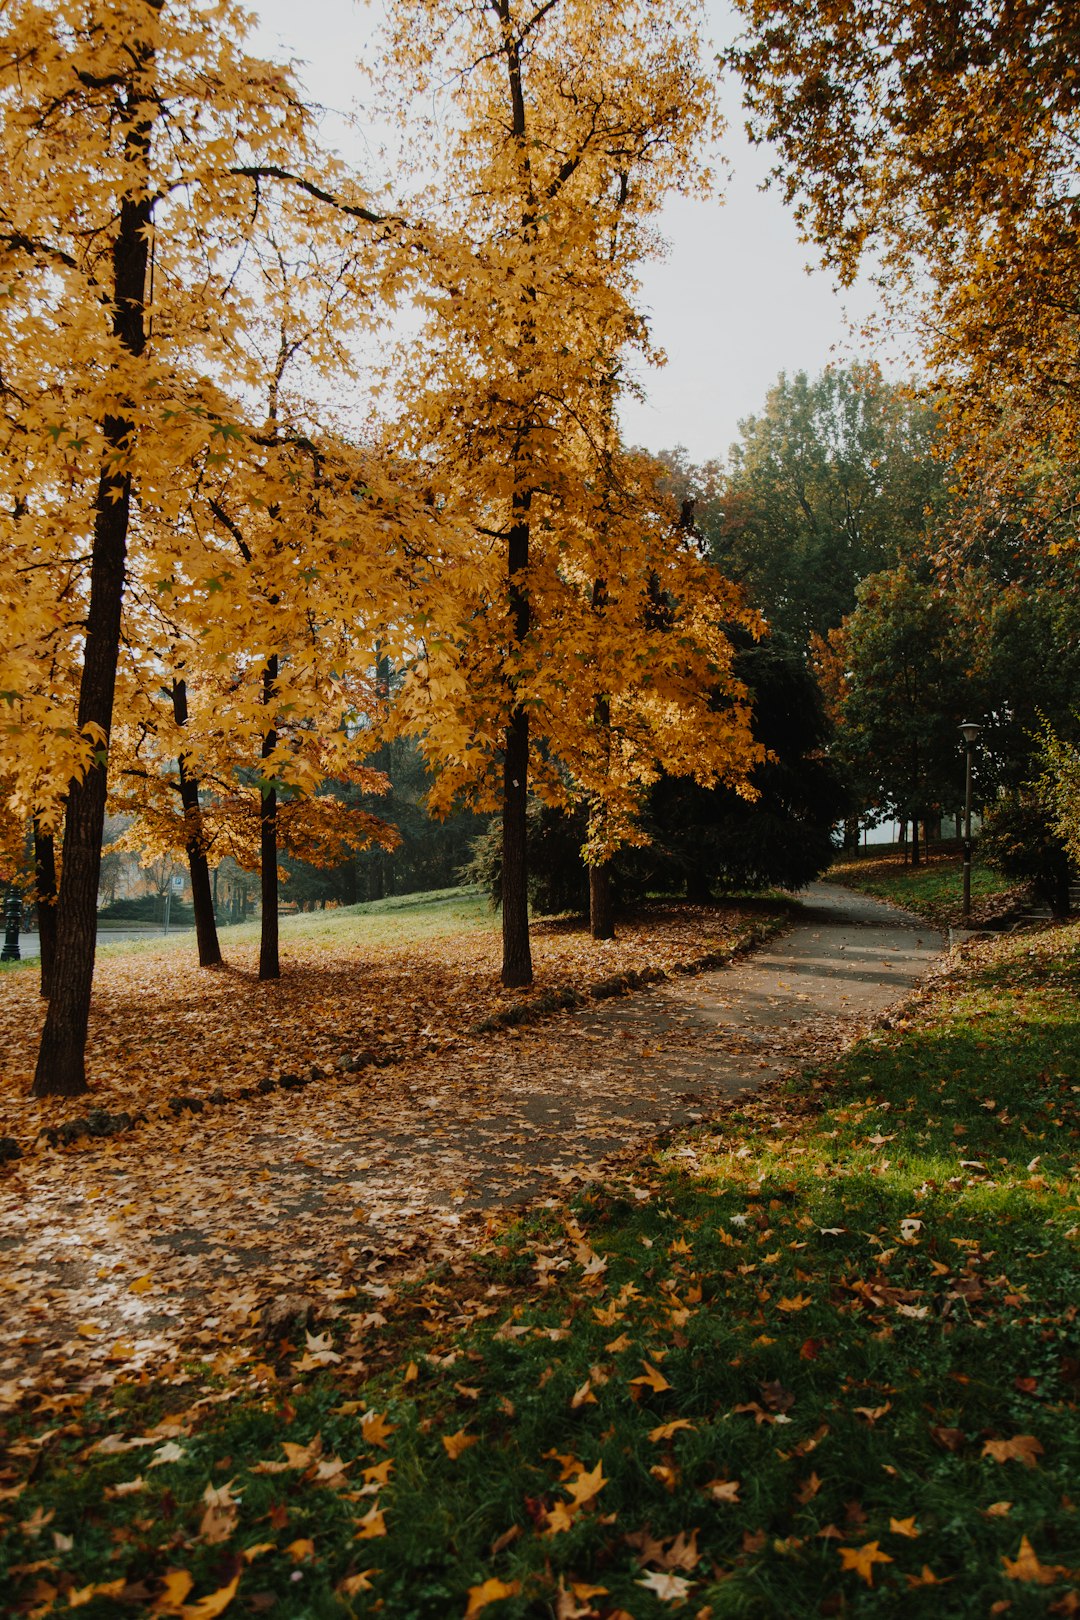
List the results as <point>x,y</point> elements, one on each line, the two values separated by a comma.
<point>732,304</point>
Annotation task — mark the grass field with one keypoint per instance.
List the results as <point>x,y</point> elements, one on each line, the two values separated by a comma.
<point>821,1358</point>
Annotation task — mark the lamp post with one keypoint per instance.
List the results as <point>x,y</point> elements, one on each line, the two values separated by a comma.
<point>12,921</point>
<point>969,730</point>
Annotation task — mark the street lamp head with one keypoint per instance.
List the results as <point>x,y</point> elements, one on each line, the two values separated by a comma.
<point>969,730</point>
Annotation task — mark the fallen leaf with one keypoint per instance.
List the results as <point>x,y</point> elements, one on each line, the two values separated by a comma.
<point>862,1559</point>
<point>215,1603</point>
<point>371,1525</point>
<point>455,1444</point>
<point>490,1591</point>
<point>664,1431</point>
<point>904,1527</point>
<point>723,1490</point>
<point>652,1378</point>
<point>1024,1448</point>
<point>1026,1567</point>
<point>669,1588</point>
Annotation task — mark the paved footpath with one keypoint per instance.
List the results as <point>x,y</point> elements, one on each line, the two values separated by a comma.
<point>315,1192</point>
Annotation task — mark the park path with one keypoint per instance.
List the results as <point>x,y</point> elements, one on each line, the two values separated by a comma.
<point>116,1255</point>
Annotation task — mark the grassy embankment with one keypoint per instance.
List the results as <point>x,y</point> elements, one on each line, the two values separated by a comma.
<point>933,889</point>
<point>822,1358</point>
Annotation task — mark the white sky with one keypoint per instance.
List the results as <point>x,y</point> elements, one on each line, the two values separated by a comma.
<point>732,304</point>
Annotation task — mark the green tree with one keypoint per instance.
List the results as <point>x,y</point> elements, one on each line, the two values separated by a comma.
<point>907,661</point>
<point>834,480</point>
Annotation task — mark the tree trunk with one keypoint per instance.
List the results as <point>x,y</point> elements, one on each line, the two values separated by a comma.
<point>45,896</point>
<point>915,855</point>
<point>61,1063</point>
<point>517,955</point>
<point>601,909</point>
<point>269,963</point>
<point>202,898</point>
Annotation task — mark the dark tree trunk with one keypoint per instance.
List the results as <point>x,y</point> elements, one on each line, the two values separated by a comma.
<point>915,854</point>
<point>61,1063</point>
<point>45,896</point>
<point>269,963</point>
<point>601,909</point>
<point>202,898</point>
<point>517,955</point>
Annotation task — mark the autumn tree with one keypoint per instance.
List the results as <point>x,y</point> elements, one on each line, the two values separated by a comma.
<point>568,123</point>
<point>139,142</point>
<point>943,141</point>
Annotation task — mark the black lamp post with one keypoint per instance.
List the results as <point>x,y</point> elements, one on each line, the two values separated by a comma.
<point>12,921</point>
<point>969,730</point>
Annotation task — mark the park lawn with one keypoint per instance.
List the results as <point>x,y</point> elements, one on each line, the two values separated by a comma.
<point>933,889</point>
<point>373,985</point>
<point>821,1357</point>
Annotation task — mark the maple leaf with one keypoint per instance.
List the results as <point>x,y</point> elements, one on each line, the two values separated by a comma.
<point>170,1452</point>
<point>723,1490</point>
<point>86,1594</point>
<point>1026,1567</point>
<point>353,1585</point>
<point>489,1591</point>
<point>371,1525</point>
<point>376,1429</point>
<point>455,1444</point>
<point>215,1603</point>
<point>927,1578</point>
<point>862,1559</point>
<point>798,1303</point>
<point>586,1486</point>
<point>1024,1448</point>
<point>559,1519</point>
<point>221,1515</point>
<point>651,1378</point>
<point>669,1588</point>
<point>176,1584</point>
<point>903,1527</point>
<point>664,1431</point>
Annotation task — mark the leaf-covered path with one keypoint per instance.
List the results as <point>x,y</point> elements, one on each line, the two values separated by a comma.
<point>118,1255</point>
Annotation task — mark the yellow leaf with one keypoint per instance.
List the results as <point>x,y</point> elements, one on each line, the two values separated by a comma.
<point>87,1594</point>
<point>257,1550</point>
<point>1023,1448</point>
<point>353,1584</point>
<point>455,1444</point>
<point>177,1584</point>
<point>583,1396</point>
<point>300,1549</point>
<point>927,1578</point>
<point>1026,1567</point>
<point>664,1431</point>
<point>213,1604</point>
<point>862,1559</point>
<point>558,1519</point>
<point>652,1378</point>
<point>371,1525</point>
<point>798,1303</point>
<point>375,1429</point>
<point>141,1285</point>
<point>904,1527</point>
<point>586,1486</point>
<point>489,1592</point>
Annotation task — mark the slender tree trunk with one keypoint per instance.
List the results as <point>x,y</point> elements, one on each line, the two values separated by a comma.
<point>517,955</point>
<point>601,910</point>
<point>915,855</point>
<point>61,1063</point>
<point>206,934</point>
<point>45,894</point>
<point>269,963</point>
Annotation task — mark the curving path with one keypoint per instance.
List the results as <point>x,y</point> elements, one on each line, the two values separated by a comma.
<point>116,1255</point>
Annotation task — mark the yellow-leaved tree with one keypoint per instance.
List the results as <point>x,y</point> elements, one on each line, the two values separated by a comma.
<point>568,124</point>
<point>139,146</point>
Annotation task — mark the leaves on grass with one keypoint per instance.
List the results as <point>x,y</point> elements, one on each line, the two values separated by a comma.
<point>489,1591</point>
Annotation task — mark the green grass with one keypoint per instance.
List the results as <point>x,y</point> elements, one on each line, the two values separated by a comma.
<point>934,889</point>
<point>853,1290</point>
